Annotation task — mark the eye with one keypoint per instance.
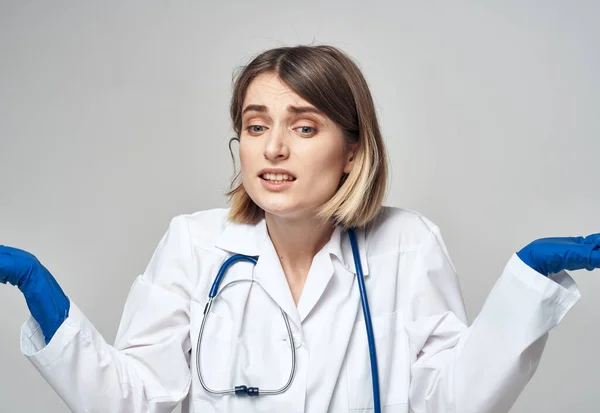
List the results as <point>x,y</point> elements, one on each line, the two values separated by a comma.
<point>252,129</point>
<point>306,130</point>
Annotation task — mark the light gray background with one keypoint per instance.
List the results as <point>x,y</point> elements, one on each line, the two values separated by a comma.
<point>114,118</point>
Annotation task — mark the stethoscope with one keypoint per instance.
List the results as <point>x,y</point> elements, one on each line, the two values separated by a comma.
<point>255,391</point>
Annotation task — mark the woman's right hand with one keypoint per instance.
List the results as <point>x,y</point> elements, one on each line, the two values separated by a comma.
<point>47,302</point>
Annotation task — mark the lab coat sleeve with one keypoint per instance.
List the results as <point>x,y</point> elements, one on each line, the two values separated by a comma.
<point>485,367</point>
<point>147,369</point>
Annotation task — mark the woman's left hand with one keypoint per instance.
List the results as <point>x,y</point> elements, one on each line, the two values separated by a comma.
<point>552,255</point>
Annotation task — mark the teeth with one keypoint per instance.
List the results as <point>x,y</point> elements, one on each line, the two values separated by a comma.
<point>277,177</point>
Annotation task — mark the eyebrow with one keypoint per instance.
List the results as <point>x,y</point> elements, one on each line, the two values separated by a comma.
<point>291,109</point>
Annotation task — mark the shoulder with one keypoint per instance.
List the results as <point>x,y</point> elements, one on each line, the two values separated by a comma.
<point>398,230</point>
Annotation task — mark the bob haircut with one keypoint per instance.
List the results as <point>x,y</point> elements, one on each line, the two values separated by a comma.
<point>330,80</point>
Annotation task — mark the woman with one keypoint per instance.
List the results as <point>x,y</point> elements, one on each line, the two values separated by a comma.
<point>313,165</point>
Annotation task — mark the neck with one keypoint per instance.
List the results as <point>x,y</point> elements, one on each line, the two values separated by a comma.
<point>297,241</point>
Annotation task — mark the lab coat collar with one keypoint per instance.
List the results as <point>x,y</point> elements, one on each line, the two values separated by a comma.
<point>247,239</point>
<point>339,246</point>
<point>251,239</point>
<point>254,240</point>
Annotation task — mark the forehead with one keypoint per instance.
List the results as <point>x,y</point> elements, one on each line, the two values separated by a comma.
<point>268,89</point>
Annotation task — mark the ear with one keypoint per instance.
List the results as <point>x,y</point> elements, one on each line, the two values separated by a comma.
<point>350,157</point>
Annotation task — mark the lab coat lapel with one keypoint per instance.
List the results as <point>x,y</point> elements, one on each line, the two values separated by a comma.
<point>270,275</point>
<point>320,273</point>
<point>254,240</point>
<point>337,303</point>
<point>322,269</point>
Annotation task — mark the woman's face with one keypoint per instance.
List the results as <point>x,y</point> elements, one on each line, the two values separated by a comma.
<point>292,156</point>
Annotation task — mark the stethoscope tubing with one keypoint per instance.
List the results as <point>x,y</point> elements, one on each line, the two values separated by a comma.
<point>360,278</point>
<point>214,292</point>
<point>254,391</point>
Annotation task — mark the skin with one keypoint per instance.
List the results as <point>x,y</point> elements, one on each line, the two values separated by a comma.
<point>308,145</point>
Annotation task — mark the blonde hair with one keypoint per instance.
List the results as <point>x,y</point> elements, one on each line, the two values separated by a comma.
<point>331,81</point>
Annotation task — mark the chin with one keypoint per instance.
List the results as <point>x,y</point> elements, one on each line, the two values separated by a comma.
<point>283,205</point>
<point>278,210</point>
<point>294,212</point>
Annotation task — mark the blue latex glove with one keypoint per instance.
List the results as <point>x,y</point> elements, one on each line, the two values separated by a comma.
<point>47,302</point>
<point>552,255</point>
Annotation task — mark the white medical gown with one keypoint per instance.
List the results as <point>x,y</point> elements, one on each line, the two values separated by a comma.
<point>429,359</point>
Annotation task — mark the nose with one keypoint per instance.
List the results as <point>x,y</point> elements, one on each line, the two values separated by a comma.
<point>276,145</point>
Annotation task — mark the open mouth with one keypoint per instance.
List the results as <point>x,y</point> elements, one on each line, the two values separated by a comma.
<point>277,178</point>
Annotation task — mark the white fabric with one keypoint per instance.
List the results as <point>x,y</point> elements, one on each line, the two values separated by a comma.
<point>429,359</point>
